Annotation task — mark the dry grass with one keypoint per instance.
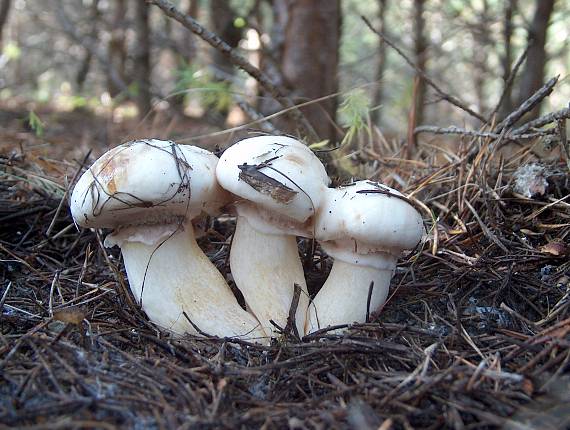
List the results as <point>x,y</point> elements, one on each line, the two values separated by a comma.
<point>476,333</point>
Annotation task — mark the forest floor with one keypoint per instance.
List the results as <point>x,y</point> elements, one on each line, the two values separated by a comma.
<point>475,334</point>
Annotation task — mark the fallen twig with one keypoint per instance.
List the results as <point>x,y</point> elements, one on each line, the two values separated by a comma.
<point>527,105</point>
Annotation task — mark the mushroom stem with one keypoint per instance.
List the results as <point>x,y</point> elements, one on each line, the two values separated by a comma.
<point>169,274</point>
<point>344,296</point>
<point>265,267</point>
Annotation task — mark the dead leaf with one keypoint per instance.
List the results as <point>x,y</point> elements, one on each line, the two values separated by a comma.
<point>266,185</point>
<point>527,386</point>
<point>556,248</point>
<point>69,315</point>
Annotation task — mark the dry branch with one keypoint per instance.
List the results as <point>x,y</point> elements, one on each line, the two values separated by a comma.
<point>528,105</point>
<point>444,96</point>
<point>544,120</point>
<point>474,133</point>
<point>510,80</point>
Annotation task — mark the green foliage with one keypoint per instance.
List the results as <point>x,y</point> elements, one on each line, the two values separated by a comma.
<point>354,113</point>
<point>12,51</point>
<point>239,22</point>
<point>133,89</point>
<point>319,145</point>
<point>36,124</point>
<point>78,102</point>
<point>214,94</point>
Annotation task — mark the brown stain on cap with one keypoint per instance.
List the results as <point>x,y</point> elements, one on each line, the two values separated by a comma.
<point>114,169</point>
<point>294,158</point>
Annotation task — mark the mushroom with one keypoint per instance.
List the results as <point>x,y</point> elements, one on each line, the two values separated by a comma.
<point>365,226</point>
<point>279,183</point>
<point>149,191</point>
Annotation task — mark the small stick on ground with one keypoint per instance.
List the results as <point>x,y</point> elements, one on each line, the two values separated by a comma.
<point>196,327</point>
<point>368,299</point>
<point>291,327</point>
<point>474,133</point>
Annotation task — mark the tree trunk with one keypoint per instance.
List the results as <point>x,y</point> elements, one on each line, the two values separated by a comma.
<point>188,40</point>
<point>481,49</point>
<point>533,75</point>
<point>507,59</point>
<point>420,51</point>
<point>117,51</point>
<point>377,97</point>
<point>142,57</point>
<point>184,50</point>
<point>222,16</point>
<point>83,70</point>
<point>308,58</point>
<point>4,11</point>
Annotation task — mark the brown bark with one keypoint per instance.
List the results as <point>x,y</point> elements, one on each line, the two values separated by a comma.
<point>533,74</point>
<point>142,69</point>
<point>378,96</point>
<point>83,70</point>
<point>309,58</point>
<point>189,42</point>
<point>4,11</point>
<point>117,50</point>
<point>480,32</point>
<point>420,51</point>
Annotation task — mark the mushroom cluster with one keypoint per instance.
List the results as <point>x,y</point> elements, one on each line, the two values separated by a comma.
<point>150,191</point>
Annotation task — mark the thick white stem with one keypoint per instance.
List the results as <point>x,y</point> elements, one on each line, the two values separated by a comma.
<point>172,275</point>
<point>344,296</point>
<point>265,268</point>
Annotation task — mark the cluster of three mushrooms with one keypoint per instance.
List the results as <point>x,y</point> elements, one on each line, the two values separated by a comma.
<point>149,191</point>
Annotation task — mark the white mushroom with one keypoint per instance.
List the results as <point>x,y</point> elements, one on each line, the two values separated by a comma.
<point>279,182</point>
<point>148,191</point>
<point>365,226</point>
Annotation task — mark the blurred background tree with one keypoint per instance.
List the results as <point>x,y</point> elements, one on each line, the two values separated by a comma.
<point>125,59</point>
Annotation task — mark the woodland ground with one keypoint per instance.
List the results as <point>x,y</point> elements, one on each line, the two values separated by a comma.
<point>476,333</point>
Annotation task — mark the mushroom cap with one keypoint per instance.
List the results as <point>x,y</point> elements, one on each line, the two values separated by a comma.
<point>278,173</point>
<point>147,182</point>
<point>367,218</point>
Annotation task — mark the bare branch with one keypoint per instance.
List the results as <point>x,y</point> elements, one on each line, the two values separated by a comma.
<point>447,97</point>
<point>474,133</point>
<point>543,120</point>
<point>510,81</point>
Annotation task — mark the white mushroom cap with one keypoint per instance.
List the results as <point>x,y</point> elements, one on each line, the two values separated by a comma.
<point>276,173</point>
<point>359,220</point>
<point>147,181</point>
